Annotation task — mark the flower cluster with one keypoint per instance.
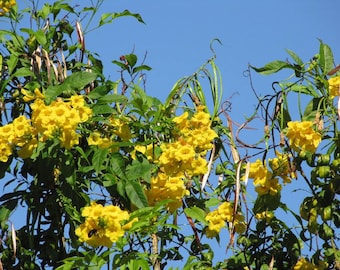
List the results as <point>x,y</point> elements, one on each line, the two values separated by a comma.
<point>107,139</point>
<point>165,187</point>
<point>103,225</point>
<point>180,159</point>
<point>281,166</point>
<point>267,215</point>
<point>57,120</point>
<point>18,133</point>
<point>304,264</point>
<point>224,213</point>
<point>264,180</point>
<point>6,5</point>
<point>121,128</point>
<point>193,139</point>
<point>334,86</point>
<point>96,138</point>
<point>302,136</point>
<point>60,119</point>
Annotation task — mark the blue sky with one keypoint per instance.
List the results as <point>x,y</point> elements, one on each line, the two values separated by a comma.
<point>177,36</point>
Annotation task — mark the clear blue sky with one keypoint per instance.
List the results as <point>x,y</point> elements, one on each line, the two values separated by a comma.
<point>177,36</point>
<point>178,33</point>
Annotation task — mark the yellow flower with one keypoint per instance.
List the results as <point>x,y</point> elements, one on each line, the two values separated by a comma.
<point>281,166</point>
<point>267,215</point>
<point>103,225</point>
<point>164,187</point>
<point>334,86</point>
<point>181,121</point>
<point>121,129</point>
<point>147,150</point>
<point>5,151</point>
<point>217,218</point>
<point>303,264</point>
<point>29,96</point>
<point>77,101</point>
<point>6,5</point>
<point>302,136</point>
<point>264,181</point>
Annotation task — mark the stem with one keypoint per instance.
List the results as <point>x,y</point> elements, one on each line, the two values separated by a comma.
<point>155,261</point>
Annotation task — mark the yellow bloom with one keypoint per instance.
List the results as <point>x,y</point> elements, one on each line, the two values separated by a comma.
<point>281,166</point>
<point>29,96</point>
<point>147,150</point>
<point>6,5</point>
<point>5,151</point>
<point>181,121</point>
<point>77,101</point>
<point>267,215</point>
<point>264,180</point>
<point>217,218</point>
<point>303,264</point>
<point>121,129</point>
<point>103,225</point>
<point>302,136</point>
<point>164,187</point>
<point>334,86</point>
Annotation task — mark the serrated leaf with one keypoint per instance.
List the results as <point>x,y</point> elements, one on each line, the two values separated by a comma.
<point>303,89</point>
<point>98,159</point>
<point>23,72</point>
<point>102,109</point>
<point>113,98</point>
<point>326,58</point>
<point>98,92</point>
<point>196,213</point>
<point>273,67</point>
<point>136,194</point>
<point>311,109</point>
<point>139,170</point>
<point>295,57</point>
<point>109,17</point>
<point>140,68</point>
<point>40,36</point>
<point>76,81</point>
<point>120,64</point>
<point>267,203</point>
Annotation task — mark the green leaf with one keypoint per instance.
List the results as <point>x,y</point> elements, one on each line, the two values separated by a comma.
<point>312,108</point>
<point>98,159</point>
<point>140,68</point>
<point>196,213</point>
<point>136,194</point>
<point>109,17</point>
<point>12,63</point>
<point>79,80</point>
<point>267,202</point>
<point>302,89</point>
<point>326,58</point>
<point>23,72</point>
<point>113,98</point>
<point>40,36</point>
<point>75,82</point>
<point>273,67</point>
<point>139,170</point>
<point>131,59</point>
<point>98,92</point>
<point>295,57</point>
<point>120,64</point>
<point>102,109</point>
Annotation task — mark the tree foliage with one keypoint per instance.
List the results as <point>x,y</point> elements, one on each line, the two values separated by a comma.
<point>107,174</point>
